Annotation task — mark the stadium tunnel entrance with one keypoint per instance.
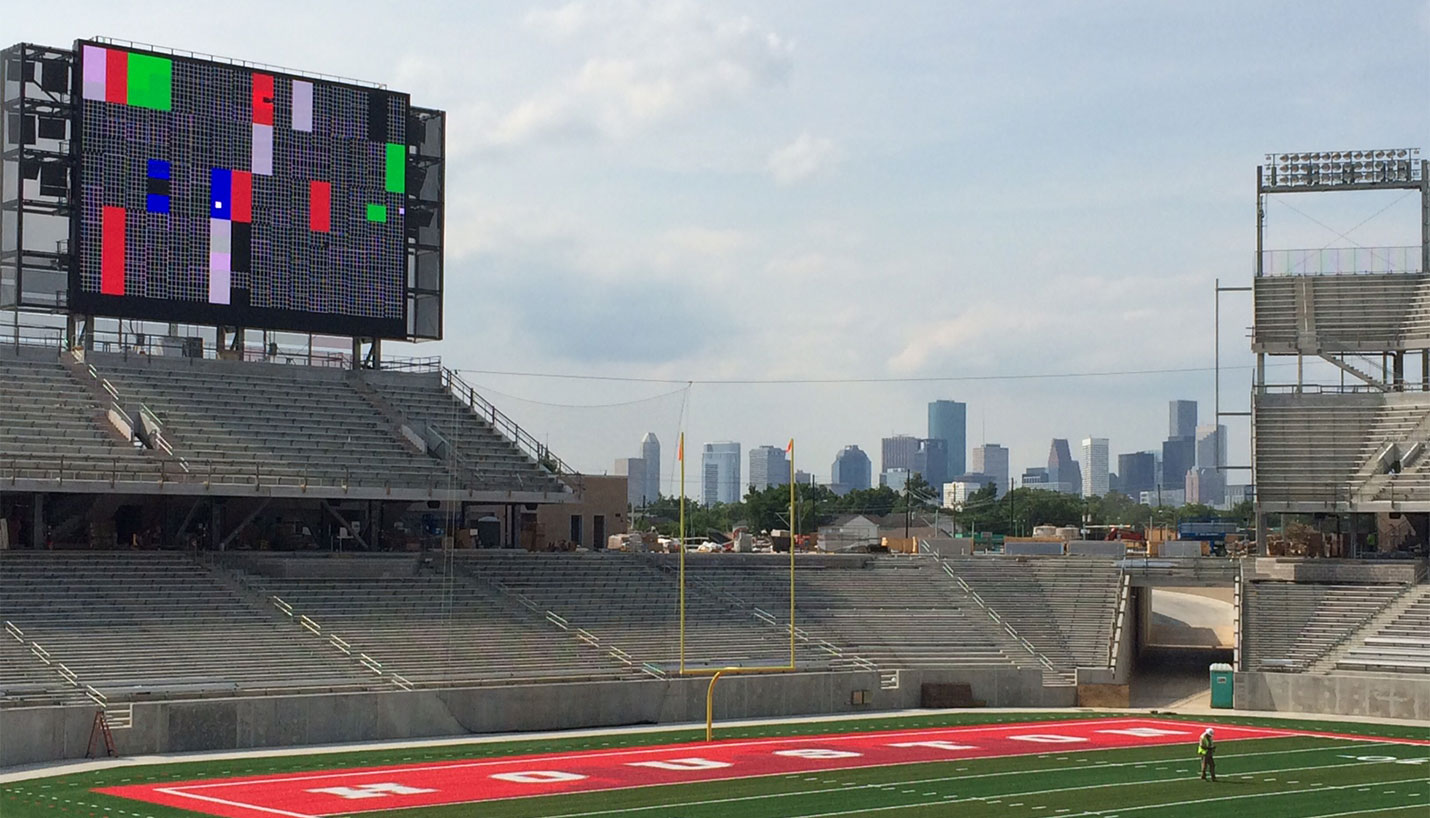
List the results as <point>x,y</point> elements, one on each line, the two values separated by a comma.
<point>1179,632</point>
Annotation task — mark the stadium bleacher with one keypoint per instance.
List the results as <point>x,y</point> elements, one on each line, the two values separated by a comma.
<point>1064,606</point>
<point>1401,645</point>
<point>627,603</point>
<point>52,427</point>
<point>160,625</point>
<point>1287,626</point>
<point>436,630</point>
<point>895,612</point>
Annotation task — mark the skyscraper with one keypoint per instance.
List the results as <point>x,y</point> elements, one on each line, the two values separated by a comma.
<point>720,473</point>
<point>633,469</point>
<point>650,453</point>
<point>1094,477</point>
<point>1179,456</point>
<point>1182,418</point>
<point>1063,472</point>
<point>1211,456</point>
<point>768,467</point>
<point>992,460</point>
<point>930,461</point>
<point>898,452</point>
<point>1138,471</point>
<point>948,421</point>
<point>852,470</point>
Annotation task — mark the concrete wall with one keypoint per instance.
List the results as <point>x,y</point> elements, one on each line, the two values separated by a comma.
<point>1097,548</point>
<point>1033,549</point>
<point>39,734</point>
<point>1390,696</point>
<point>1347,571</point>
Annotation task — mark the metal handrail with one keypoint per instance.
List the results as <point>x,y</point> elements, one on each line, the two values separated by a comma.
<point>508,428</point>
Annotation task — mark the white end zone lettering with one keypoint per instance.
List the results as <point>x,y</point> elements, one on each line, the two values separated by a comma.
<point>1048,738</point>
<point>1145,732</point>
<point>539,777</point>
<point>937,745</point>
<point>371,790</point>
<point>682,764</point>
<point>817,752</point>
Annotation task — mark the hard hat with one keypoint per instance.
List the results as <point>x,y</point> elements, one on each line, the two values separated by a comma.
<point>1209,731</point>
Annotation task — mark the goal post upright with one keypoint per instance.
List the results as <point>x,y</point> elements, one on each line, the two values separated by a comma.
<point>716,673</point>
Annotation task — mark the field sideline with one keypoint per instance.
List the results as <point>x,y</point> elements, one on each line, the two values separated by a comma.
<point>974,764</point>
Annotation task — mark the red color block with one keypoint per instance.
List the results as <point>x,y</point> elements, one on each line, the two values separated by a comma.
<point>263,99</point>
<point>116,76</point>
<point>242,194</point>
<point>111,256</point>
<point>320,206</point>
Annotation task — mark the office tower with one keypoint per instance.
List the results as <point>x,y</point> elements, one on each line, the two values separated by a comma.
<point>930,461</point>
<point>1206,486</point>
<point>1211,446</point>
<point>1094,478</point>
<point>992,460</point>
<point>1179,456</point>
<point>852,471</point>
<point>1138,472</point>
<point>634,470</point>
<point>948,421</point>
<point>898,452</point>
<point>650,453</point>
<point>768,467</point>
<point>1035,477</point>
<point>1063,472</point>
<point>803,478</point>
<point>1182,418</point>
<point>720,473</point>
<point>1211,456</point>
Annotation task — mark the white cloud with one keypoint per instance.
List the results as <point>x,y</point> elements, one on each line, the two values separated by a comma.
<point>643,62</point>
<point>803,158</point>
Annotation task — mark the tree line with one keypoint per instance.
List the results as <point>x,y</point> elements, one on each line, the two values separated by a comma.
<point>1015,513</point>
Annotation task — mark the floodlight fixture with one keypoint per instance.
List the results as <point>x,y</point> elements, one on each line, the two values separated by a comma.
<point>1362,169</point>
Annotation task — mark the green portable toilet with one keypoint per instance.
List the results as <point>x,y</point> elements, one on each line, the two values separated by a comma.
<point>1221,685</point>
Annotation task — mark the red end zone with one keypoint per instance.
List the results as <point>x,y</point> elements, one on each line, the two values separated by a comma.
<point>343,792</point>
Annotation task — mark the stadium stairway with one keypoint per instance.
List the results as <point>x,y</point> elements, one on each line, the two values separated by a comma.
<point>626,603</point>
<point>433,630</point>
<point>246,422</point>
<point>461,439</point>
<point>53,427</point>
<point>889,612</point>
<point>1397,640</point>
<point>1289,626</point>
<point>1064,606</point>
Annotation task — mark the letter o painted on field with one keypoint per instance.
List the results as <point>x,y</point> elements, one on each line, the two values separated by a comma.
<point>539,777</point>
<point>817,752</point>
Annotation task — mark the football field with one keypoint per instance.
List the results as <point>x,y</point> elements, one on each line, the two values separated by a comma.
<point>946,764</point>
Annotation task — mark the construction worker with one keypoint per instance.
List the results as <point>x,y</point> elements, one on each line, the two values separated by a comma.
<point>1206,748</point>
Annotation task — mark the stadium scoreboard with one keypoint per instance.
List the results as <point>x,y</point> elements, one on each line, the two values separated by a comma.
<point>221,193</point>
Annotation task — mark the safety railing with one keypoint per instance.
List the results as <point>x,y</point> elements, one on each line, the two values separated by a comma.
<point>338,643</point>
<point>539,452</point>
<point>1342,261</point>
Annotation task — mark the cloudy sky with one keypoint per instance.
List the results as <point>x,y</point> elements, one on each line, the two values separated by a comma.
<point>884,203</point>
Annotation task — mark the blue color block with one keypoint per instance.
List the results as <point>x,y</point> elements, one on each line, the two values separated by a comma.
<point>158,203</point>
<point>158,169</point>
<point>221,194</point>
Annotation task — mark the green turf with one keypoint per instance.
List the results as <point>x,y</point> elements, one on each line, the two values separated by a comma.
<point>1297,777</point>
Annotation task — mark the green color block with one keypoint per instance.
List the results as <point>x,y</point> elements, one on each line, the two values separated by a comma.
<point>396,168</point>
<point>376,213</point>
<point>151,82</point>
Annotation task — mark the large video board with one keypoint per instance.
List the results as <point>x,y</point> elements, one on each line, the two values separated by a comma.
<point>224,194</point>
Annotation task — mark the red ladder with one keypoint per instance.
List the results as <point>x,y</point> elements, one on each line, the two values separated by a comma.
<point>101,728</point>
